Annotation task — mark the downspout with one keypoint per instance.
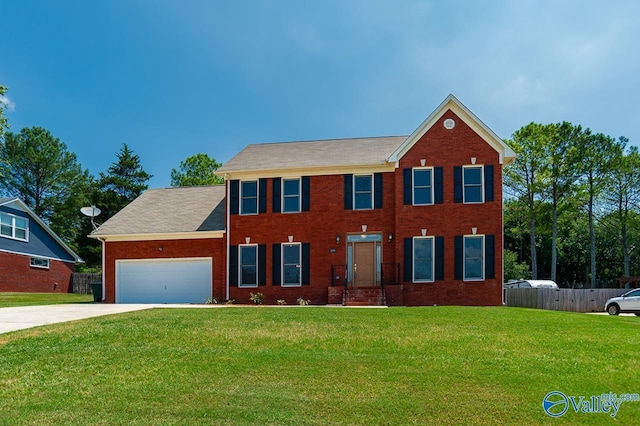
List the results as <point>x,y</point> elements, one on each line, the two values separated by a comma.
<point>228,212</point>
<point>104,287</point>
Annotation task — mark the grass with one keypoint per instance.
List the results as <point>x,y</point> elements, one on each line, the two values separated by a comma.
<point>268,365</point>
<point>8,299</point>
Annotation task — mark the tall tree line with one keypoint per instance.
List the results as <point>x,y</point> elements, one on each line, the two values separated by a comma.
<point>571,209</point>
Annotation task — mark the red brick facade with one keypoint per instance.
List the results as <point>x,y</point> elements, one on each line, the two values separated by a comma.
<point>165,249</point>
<point>327,218</point>
<point>17,274</point>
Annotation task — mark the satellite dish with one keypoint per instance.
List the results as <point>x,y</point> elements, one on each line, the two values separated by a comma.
<point>91,212</point>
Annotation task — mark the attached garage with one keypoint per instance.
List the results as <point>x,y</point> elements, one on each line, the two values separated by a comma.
<point>163,281</point>
<point>166,246</point>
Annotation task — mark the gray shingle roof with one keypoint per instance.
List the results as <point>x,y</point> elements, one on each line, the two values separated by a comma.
<point>313,154</point>
<point>170,210</point>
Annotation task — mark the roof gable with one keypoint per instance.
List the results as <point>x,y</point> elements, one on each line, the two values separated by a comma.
<point>507,155</point>
<point>18,204</point>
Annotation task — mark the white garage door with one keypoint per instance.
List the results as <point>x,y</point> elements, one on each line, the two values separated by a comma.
<point>163,281</point>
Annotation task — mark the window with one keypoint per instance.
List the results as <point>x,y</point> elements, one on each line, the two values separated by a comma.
<point>474,258</point>
<point>291,265</point>
<point>39,262</point>
<point>422,186</point>
<point>423,259</point>
<point>363,192</point>
<point>290,195</point>
<point>249,197</point>
<point>248,266</point>
<point>472,184</point>
<point>14,227</point>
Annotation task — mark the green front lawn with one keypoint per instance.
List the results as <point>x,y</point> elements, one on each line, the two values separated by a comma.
<point>313,365</point>
<point>8,299</point>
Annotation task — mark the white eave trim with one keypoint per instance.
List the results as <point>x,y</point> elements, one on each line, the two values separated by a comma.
<point>507,155</point>
<point>159,236</point>
<point>383,166</point>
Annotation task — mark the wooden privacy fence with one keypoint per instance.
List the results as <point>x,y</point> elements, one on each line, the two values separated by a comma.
<point>81,283</point>
<point>563,299</point>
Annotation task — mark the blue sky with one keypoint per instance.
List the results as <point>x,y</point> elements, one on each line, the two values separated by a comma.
<point>176,78</point>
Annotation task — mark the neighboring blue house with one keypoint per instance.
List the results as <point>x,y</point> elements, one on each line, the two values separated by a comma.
<point>32,257</point>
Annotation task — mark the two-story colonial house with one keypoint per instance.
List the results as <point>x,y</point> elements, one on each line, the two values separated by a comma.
<point>402,220</point>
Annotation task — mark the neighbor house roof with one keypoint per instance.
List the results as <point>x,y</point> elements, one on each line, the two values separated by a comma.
<point>168,213</point>
<point>17,202</point>
<point>336,156</point>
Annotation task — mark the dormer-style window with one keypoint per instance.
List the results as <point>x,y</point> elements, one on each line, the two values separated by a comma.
<point>14,227</point>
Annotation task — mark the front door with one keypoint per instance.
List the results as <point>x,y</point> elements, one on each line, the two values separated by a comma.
<point>364,264</point>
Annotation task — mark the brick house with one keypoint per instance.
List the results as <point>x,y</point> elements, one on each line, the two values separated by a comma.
<point>32,257</point>
<point>407,220</point>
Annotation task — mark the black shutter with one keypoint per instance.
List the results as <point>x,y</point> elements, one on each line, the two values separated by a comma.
<point>489,257</point>
<point>306,263</point>
<point>234,188</point>
<point>306,193</point>
<point>488,183</point>
<point>233,266</point>
<point>277,264</point>
<point>407,175</point>
<point>439,259</point>
<point>277,183</point>
<point>377,190</point>
<point>408,259</point>
<point>459,253</point>
<point>262,264</point>
<point>348,192</point>
<point>457,184</point>
<point>262,196</point>
<point>439,186</point>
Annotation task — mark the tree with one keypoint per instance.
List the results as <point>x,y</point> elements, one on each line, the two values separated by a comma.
<point>196,170</point>
<point>40,170</point>
<point>523,177</point>
<point>598,155</point>
<point>124,181</point>
<point>512,269</point>
<point>4,125</point>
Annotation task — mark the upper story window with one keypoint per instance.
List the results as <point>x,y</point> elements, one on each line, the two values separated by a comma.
<point>422,186</point>
<point>249,197</point>
<point>291,195</point>
<point>15,227</point>
<point>363,192</point>
<point>472,184</point>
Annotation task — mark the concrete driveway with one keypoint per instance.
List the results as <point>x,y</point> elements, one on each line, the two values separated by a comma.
<point>19,318</point>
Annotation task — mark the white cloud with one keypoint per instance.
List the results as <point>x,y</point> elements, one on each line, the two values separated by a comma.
<point>7,103</point>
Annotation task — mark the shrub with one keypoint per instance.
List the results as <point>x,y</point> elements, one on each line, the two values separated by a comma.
<point>282,302</point>
<point>256,298</point>
<point>302,301</point>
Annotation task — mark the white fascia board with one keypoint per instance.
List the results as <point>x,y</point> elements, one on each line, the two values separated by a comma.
<point>159,236</point>
<point>383,166</point>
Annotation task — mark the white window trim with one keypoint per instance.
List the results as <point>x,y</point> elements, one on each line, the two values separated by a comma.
<point>240,284</point>
<point>13,227</point>
<point>36,258</point>
<point>373,190</point>
<point>464,257</point>
<point>433,260</point>
<point>413,186</point>
<point>282,246</point>
<point>257,198</point>
<point>282,197</point>
<point>473,166</point>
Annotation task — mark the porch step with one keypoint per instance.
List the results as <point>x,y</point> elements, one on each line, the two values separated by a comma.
<point>364,296</point>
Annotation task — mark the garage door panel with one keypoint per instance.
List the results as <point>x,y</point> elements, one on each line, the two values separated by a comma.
<point>164,281</point>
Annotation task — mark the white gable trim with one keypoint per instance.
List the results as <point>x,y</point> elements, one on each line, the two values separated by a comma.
<point>194,235</point>
<point>20,205</point>
<point>507,155</point>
